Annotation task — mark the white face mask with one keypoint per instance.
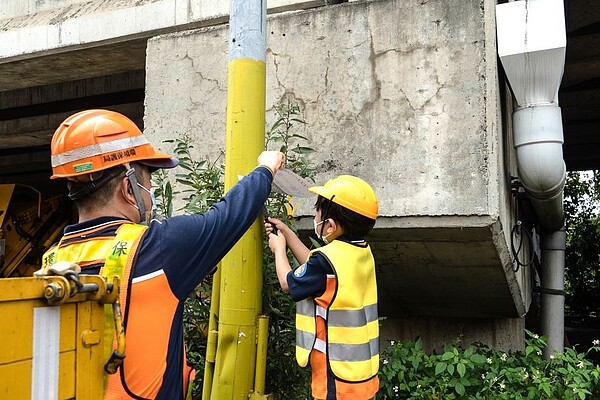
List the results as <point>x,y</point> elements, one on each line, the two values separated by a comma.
<point>316,225</point>
<point>151,213</point>
<point>152,198</point>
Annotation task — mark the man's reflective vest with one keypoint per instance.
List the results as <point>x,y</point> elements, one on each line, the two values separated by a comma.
<point>116,255</point>
<point>349,308</point>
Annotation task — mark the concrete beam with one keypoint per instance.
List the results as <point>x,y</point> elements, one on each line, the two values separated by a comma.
<point>33,27</point>
<point>29,117</point>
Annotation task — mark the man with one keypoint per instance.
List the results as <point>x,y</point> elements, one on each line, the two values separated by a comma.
<point>107,162</point>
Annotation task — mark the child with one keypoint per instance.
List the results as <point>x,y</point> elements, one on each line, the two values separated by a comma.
<point>335,289</point>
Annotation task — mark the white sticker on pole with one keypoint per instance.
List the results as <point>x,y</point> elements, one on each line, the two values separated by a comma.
<point>292,184</point>
<point>46,345</point>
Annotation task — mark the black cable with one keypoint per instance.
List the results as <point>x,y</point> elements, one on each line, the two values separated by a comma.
<point>518,230</point>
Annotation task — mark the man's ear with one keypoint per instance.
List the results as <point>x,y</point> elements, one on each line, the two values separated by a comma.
<point>126,191</point>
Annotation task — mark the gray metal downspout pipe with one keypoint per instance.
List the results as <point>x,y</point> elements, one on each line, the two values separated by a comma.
<point>532,47</point>
<point>553,298</point>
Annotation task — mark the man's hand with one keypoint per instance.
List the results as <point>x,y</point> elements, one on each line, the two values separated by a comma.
<point>274,160</point>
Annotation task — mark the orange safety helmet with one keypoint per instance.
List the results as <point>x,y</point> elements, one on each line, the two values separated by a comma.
<point>95,140</point>
<point>350,192</point>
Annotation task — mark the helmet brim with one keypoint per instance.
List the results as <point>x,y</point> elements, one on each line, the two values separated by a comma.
<point>162,161</point>
<point>321,191</point>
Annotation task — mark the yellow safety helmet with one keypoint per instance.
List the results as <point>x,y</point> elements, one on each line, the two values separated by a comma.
<point>95,140</point>
<point>350,192</point>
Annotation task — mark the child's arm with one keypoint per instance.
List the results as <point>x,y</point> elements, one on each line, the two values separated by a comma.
<point>277,243</point>
<point>299,250</point>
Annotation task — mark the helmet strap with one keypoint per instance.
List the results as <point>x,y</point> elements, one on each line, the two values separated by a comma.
<point>78,190</point>
<point>133,181</point>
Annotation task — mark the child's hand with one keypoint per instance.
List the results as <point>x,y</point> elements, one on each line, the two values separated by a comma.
<point>281,228</point>
<point>287,239</point>
<point>277,242</point>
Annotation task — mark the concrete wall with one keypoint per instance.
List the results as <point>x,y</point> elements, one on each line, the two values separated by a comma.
<point>394,91</point>
<point>502,333</point>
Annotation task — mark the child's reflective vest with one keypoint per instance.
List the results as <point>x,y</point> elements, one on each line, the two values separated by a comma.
<point>349,309</point>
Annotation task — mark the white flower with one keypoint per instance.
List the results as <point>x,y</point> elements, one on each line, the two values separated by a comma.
<point>596,342</point>
<point>552,356</point>
<point>488,360</point>
<point>502,386</point>
<point>580,364</point>
<point>539,353</point>
<point>503,357</point>
<point>395,389</point>
<point>483,376</point>
<point>385,362</point>
<point>392,342</point>
<point>536,336</point>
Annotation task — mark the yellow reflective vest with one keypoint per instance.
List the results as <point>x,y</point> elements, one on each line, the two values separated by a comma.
<point>116,254</point>
<point>349,308</point>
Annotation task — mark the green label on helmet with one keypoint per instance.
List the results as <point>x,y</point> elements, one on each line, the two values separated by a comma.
<point>83,167</point>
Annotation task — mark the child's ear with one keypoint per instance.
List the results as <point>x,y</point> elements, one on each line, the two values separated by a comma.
<point>332,226</point>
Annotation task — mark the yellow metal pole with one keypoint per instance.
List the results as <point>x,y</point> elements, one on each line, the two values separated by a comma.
<point>261,354</point>
<point>241,269</point>
<point>211,343</point>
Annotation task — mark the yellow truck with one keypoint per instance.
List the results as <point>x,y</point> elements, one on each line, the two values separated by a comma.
<point>53,330</point>
<point>52,337</point>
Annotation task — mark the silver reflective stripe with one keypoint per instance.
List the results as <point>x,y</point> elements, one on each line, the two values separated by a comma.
<point>46,345</point>
<point>306,307</point>
<point>354,352</point>
<point>97,149</point>
<point>321,346</point>
<point>304,339</point>
<point>353,318</point>
<point>321,312</point>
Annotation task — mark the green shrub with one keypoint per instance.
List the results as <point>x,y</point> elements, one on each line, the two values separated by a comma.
<point>477,372</point>
<point>285,379</point>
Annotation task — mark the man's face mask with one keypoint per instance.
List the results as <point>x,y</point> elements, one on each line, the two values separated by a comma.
<point>151,213</point>
<point>318,231</point>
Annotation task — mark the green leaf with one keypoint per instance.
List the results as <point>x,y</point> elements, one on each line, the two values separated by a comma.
<point>461,369</point>
<point>469,351</point>
<point>302,150</point>
<point>440,367</point>
<point>450,369</point>
<point>546,388</point>
<point>415,363</point>
<point>477,358</point>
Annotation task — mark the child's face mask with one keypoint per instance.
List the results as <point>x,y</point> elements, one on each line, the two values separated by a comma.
<point>316,225</point>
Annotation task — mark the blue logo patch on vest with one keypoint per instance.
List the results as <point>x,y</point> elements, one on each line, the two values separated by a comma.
<point>300,271</point>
